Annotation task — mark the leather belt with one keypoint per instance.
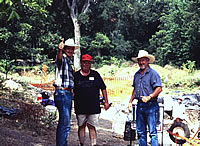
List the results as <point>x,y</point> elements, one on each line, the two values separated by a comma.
<point>62,88</point>
<point>140,101</point>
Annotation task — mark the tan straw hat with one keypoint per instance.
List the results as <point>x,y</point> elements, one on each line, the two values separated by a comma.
<point>143,53</point>
<point>70,42</point>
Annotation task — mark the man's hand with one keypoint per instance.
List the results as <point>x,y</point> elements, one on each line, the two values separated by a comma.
<point>145,98</point>
<point>106,106</point>
<point>130,107</point>
<point>61,45</point>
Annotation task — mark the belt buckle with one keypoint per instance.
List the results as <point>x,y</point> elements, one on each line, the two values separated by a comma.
<point>62,88</point>
<point>68,89</point>
<point>59,88</point>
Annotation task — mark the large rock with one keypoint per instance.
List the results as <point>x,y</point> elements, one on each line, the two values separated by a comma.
<point>12,85</point>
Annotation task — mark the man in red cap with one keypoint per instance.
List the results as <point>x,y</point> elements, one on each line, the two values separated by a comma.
<point>87,84</point>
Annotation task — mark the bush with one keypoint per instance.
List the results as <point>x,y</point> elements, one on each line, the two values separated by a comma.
<point>6,66</point>
<point>189,66</point>
<point>197,82</point>
<point>105,60</point>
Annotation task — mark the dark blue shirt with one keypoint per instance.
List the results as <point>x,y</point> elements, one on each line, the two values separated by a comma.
<point>145,84</point>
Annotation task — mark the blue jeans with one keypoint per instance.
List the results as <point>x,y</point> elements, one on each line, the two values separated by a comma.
<point>146,115</point>
<point>63,101</point>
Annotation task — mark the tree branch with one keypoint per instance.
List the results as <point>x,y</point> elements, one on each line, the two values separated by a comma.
<point>85,6</point>
<point>73,8</point>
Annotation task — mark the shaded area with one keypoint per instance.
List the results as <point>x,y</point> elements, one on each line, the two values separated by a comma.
<point>14,137</point>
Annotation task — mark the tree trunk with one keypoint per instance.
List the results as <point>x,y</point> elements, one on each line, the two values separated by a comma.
<point>99,52</point>
<point>73,6</point>
<point>77,52</point>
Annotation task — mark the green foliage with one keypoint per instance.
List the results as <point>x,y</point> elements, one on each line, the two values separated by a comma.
<point>49,44</point>
<point>101,61</point>
<point>34,69</point>
<point>189,66</point>
<point>10,9</point>
<point>197,82</point>
<point>121,46</point>
<point>7,2</point>
<point>2,79</point>
<point>24,32</point>
<point>174,41</point>
<point>83,18</point>
<point>31,30</point>
<point>4,34</point>
<point>6,66</point>
<point>38,5</point>
<point>13,15</point>
<point>85,42</point>
<point>174,78</point>
<point>101,42</point>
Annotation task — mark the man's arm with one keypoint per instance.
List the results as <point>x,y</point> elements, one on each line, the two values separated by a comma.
<point>60,50</point>
<point>106,104</point>
<point>156,92</point>
<point>131,100</point>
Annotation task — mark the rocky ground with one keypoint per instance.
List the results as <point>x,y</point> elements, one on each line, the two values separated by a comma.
<point>26,129</point>
<point>13,133</point>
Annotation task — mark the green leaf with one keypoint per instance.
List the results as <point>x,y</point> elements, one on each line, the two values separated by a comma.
<point>13,14</point>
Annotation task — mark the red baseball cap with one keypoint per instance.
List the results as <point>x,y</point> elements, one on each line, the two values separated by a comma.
<point>86,57</point>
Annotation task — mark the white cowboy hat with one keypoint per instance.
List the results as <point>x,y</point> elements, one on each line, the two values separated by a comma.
<point>143,53</point>
<point>70,42</point>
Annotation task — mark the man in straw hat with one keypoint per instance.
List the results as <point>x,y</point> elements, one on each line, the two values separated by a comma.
<point>64,83</point>
<point>147,86</point>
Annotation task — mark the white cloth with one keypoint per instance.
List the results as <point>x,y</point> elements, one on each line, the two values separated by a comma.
<point>178,111</point>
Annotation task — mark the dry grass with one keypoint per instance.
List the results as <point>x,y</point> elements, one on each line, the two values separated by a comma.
<point>119,79</point>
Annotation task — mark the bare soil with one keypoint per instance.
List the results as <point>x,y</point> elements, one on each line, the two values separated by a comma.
<point>13,133</point>
<point>24,130</point>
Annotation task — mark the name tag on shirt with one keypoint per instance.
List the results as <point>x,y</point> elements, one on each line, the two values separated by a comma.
<point>91,78</point>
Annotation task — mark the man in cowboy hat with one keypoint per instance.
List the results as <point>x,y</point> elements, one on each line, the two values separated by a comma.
<point>64,83</point>
<point>147,86</point>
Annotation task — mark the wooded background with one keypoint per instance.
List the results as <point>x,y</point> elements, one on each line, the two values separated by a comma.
<point>31,30</point>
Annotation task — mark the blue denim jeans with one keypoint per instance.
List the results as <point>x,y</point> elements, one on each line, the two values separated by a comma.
<point>146,116</point>
<point>63,101</point>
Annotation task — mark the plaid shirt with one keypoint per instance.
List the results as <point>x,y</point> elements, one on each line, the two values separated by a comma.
<point>64,73</point>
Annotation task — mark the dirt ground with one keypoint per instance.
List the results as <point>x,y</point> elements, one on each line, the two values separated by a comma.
<point>13,134</point>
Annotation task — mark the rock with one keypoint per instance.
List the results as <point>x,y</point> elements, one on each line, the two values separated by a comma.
<point>51,109</point>
<point>12,85</point>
